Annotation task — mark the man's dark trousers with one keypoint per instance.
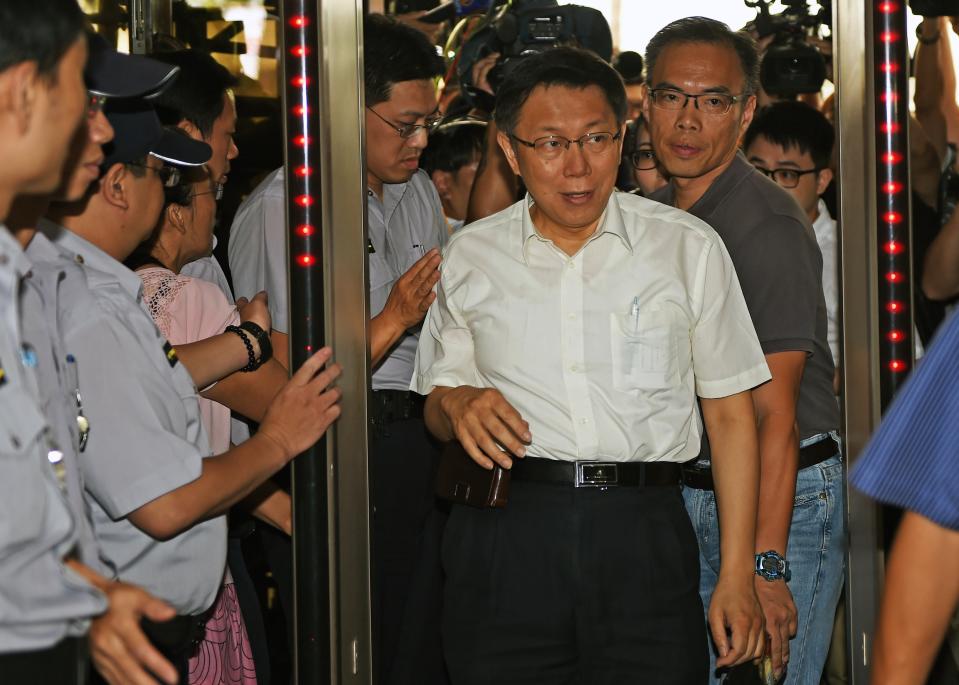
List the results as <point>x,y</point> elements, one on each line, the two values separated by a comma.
<point>407,578</point>
<point>579,586</point>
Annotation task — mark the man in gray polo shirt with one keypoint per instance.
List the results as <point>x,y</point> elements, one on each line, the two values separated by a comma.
<point>406,228</point>
<point>702,82</point>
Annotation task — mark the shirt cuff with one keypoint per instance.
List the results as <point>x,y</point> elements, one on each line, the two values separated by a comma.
<point>747,380</point>
<point>788,345</point>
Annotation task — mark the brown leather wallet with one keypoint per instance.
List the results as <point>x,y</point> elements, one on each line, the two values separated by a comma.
<point>461,480</point>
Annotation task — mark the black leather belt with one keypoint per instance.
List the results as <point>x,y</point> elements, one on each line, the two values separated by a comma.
<point>596,474</point>
<point>387,406</point>
<point>64,662</point>
<point>700,478</point>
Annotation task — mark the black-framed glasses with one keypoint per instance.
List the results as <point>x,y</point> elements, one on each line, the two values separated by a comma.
<point>95,103</point>
<point>708,103</point>
<point>216,191</point>
<point>410,130</point>
<point>787,178</point>
<point>643,159</point>
<point>553,147</point>
<point>169,175</point>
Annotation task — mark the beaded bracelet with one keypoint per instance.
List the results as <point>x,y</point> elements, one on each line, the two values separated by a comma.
<point>253,364</point>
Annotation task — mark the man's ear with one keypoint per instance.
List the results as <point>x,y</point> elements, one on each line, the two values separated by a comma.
<point>19,86</point>
<point>506,145</point>
<point>442,180</point>
<point>823,179</point>
<point>113,186</point>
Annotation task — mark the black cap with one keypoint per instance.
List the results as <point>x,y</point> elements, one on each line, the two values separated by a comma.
<point>137,132</point>
<point>117,75</point>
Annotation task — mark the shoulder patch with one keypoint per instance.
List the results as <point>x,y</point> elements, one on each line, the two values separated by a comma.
<point>170,353</point>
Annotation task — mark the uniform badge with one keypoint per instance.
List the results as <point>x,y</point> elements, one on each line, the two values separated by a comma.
<point>170,353</point>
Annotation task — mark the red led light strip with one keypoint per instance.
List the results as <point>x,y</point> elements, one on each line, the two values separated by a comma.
<point>892,195</point>
<point>301,76</point>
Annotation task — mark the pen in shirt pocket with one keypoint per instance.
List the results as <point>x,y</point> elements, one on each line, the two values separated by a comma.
<point>634,314</point>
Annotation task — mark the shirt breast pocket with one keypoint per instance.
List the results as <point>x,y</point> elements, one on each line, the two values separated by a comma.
<point>644,350</point>
<point>22,449</point>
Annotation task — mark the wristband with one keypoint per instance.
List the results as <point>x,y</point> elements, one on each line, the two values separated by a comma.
<point>262,339</point>
<point>252,363</point>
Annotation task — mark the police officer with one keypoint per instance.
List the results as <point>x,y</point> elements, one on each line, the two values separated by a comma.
<point>157,500</point>
<point>46,593</point>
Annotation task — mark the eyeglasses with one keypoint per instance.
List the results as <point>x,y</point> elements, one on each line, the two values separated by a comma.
<point>95,103</point>
<point>216,192</point>
<point>553,147</point>
<point>410,130</point>
<point>787,178</point>
<point>169,175</point>
<point>707,103</point>
<point>643,159</point>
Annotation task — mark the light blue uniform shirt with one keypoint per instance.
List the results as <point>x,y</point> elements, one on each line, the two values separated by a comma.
<point>41,601</point>
<point>146,437</point>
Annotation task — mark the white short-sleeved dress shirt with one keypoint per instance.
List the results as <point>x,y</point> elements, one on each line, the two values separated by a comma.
<point>604,352</point>
<point>146,435</point>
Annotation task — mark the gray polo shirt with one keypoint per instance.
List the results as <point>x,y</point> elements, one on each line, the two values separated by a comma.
<point>146,436</point>
<point>41,600</point>
<point>404,226</point>
<point>779,266</point>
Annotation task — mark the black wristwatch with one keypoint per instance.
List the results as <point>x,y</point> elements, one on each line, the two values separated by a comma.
<point>772,566</point>
<point>262,339</point>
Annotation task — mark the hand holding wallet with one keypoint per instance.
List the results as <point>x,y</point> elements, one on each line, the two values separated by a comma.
<point>461,480</point>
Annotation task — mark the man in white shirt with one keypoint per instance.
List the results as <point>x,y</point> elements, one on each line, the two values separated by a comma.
<point>792,144</point>
<point>570,337</point>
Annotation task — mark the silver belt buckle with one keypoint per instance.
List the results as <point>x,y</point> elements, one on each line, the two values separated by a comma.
<point>594,474</point>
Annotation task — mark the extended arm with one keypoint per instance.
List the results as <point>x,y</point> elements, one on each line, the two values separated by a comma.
<point>296,419</point>
<point>731,425</point>
<point>496,185</point>
<point>775,404</point>
<point>915,612</point>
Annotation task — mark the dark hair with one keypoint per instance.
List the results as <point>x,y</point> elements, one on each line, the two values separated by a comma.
<point>710,31</point>
<point>38,31</point>
<point>561,66</point>
<point>792,124</point>
<point>392,53</point>
<point>137,167</point>
<point>454,145</point>
<point>196,93</point>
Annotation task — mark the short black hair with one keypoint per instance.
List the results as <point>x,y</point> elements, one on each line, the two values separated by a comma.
<point>38,31</point>
<point>196,93</point>
<point>560,66</point>
<point>791,124</point>
<point>710,31</point>
<point>392,53</point>
<point>454,145</point>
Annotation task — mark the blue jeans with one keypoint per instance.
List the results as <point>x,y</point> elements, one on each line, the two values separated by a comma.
<point>816,554</point>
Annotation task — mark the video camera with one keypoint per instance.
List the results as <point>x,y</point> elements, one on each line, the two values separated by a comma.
<point>525,27</point>
<point>790,65</point>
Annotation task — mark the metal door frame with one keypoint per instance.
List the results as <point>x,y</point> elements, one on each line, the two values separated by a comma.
<point>855,138</point>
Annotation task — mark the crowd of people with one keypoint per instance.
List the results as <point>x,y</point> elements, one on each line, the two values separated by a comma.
<point>619,288</point>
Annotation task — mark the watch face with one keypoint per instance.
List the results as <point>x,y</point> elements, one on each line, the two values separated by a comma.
<point>770,565</point>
